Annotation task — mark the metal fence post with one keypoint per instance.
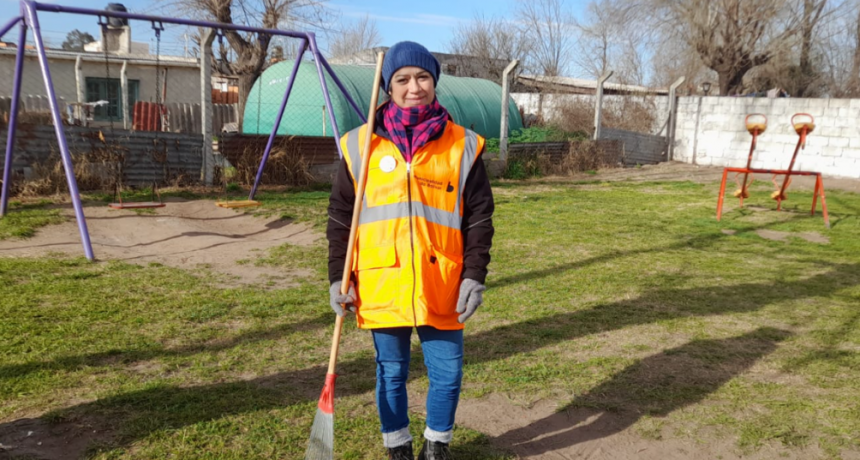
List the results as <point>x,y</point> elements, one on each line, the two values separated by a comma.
<point>673,106</point>
<point>79,84</point>
<point>506,94</point>
<point>123,84</point>
<point>598,104</point>
<point>206,107</point>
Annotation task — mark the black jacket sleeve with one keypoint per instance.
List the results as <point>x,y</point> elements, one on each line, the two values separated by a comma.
<point>478,228</point>
<point>340,207</point>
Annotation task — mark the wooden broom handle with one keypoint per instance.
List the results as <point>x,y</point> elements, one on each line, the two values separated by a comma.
<point>356,208</point>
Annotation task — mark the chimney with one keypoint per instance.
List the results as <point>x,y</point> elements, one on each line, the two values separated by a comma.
<point>116,37</point>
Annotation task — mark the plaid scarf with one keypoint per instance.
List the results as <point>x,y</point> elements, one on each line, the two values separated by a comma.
<point>424,122</point>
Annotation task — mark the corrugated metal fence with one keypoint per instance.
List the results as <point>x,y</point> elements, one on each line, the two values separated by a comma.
<point>140,157</point>
<point>30,103</point>
<point>611,152</point>
<point>639,149</point>
<point>181,117</point>
<point>314,150</point>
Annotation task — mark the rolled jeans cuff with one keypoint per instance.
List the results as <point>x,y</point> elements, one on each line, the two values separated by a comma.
<point>444,437</point>
<point>396,438</point>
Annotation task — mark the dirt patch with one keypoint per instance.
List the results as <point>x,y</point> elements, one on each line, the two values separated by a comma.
<point>192,235</point>
<point>775,235</point>
<point>539,431</point>
<point>814,237</point>
<point>37,439</point>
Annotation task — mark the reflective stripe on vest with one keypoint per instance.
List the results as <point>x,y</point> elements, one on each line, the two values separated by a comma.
<point>401,210</point>
<point>354,152</point>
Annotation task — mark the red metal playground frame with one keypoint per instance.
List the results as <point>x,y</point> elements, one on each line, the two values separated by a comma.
<point>757,128</point>
<point>29,18</point>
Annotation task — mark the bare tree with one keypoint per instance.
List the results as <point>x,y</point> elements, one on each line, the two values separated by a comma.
<point>357,36</point>
<point>853,85</point>
<point>597,39</point>
<point>610,39</point>
<point>808,77</point>
<point>487,46</point>
<point>550,28</point>
<point>250,51</point>
<point>732,36</point>
<point>672,57</point>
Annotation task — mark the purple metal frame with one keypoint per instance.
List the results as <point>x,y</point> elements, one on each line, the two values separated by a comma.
<point>29,18</point>
<point>9,25</point>
<point>277,124</point>
<point>10,136</point>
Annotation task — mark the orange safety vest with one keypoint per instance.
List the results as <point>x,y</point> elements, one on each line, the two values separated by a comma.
<point>409,250</point>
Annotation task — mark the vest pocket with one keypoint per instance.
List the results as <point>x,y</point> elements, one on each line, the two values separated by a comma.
<point>378,257</point>
<point>441,276</point>
<point>377,276</point>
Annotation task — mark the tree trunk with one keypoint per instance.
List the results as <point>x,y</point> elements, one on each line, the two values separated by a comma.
<point>811,15</point>
<point>731,76</point>
<point>854,79</point>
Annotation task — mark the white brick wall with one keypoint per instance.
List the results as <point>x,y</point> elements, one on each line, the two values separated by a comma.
<point>722,139</point>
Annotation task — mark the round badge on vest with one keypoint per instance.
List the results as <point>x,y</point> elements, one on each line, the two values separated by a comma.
<point>387,163</point>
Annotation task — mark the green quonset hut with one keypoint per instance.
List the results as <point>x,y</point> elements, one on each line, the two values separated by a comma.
<point>472,102</point>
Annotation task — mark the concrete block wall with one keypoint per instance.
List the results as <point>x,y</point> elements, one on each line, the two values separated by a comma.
<point>546,105</point>
<point>711,131</point>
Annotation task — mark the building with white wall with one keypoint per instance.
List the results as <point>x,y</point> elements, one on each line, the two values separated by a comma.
<point>86,77</point>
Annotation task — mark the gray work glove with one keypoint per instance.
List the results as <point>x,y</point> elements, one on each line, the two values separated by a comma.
<point>338,300</point>
<point>471,297</point>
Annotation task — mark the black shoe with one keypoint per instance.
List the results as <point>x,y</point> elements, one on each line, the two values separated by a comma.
<point>435,451</point>
<point>403,452</point>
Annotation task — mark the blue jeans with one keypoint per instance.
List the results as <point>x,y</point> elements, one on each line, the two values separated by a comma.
<point>443,356</point>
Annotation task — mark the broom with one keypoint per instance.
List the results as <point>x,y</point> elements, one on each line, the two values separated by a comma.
<point>321,444</point>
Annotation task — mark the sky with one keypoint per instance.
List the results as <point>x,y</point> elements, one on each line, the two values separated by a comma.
<point>427,22</point>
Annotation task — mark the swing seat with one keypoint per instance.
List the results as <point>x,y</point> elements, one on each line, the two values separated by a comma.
<point>237,204</point>
<point>137,205</point>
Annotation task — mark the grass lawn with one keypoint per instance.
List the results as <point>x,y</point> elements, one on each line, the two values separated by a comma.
<point>622,297</point>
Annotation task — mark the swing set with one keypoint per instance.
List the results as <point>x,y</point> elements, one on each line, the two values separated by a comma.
<point>28,18</point>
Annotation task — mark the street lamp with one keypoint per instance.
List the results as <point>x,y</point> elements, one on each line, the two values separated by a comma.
<point>706,87</point>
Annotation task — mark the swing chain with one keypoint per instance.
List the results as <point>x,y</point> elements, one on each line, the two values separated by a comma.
<point>103,22</point>
<point>158,27</point>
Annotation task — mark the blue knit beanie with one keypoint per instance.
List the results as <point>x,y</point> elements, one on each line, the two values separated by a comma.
<point>405,54</point>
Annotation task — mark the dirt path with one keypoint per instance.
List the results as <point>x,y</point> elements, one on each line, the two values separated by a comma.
<point>540,432</point>
<point>191,235</point>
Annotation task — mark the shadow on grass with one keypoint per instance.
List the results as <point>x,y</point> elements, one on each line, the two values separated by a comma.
<point>114,357</point>
<point>162,407</point>
<point>654,386</point>
<point>696,242</point>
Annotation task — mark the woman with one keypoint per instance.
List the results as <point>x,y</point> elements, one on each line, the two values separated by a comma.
<point>423,245</point>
